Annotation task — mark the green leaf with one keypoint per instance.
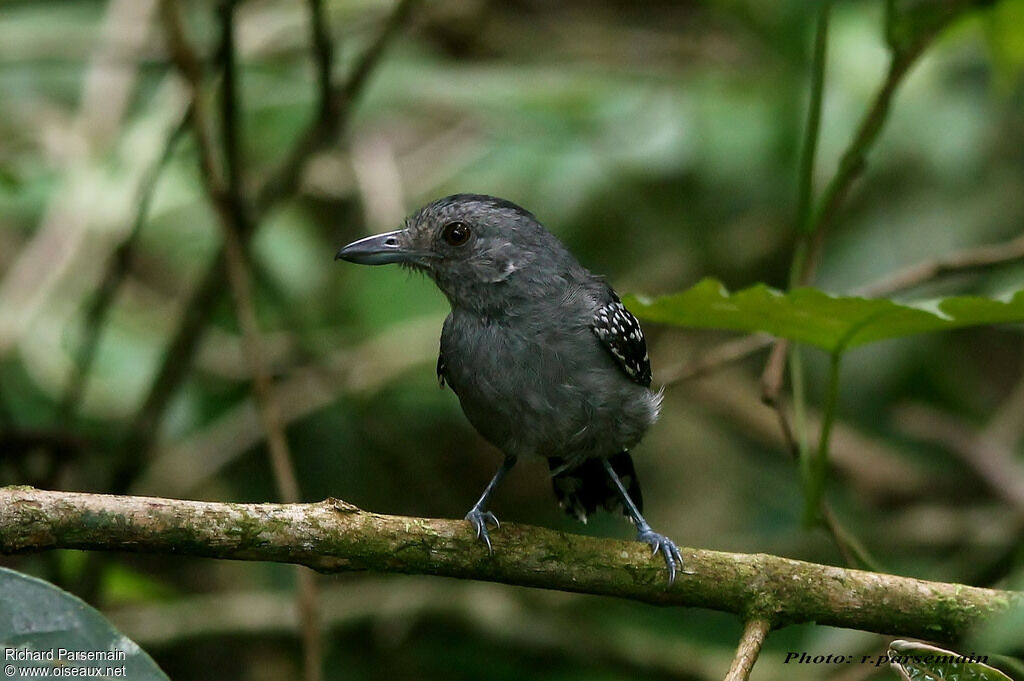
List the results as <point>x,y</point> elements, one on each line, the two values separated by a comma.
<point>40,621</point>
<point>9,179</point>
<point>920,662</point>
<point>910,21</point>
<point>1004,33</point>
<point>832,323</point>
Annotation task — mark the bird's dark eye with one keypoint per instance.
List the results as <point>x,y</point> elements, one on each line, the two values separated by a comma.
<point>456,233</point>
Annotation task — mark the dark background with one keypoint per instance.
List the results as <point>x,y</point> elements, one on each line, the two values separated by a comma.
<point>660,141</point>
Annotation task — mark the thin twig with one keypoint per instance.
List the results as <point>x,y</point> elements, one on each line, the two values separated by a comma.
<point>200,306</point>
<point>814,484</point>
<point>182,466</point>
<point>308,590</point>
<point>808,152</point>
<point>811,234</point>
<point>805,259</point>
<point>115,275</point>
<point>323,56</point>
<point>308,605</point>
<point>224,192</point>
<point>225,189</point>
<point>839,535</point>
<point>142,430</point>
<point>190,68</point>
<point>334,111</point>
<point>959,262</point>
<point>1006,425</point>
<point>775,367</point>
<point>851,549</point>
<point>36,276</point>
<point>773,373</point>
<point>719,356</point>
<point>993,463</point>
<point>754,633</point>
<point>854,160</point>
<point>802,263</point>
<point>230,122</point>
<point>872,466</point>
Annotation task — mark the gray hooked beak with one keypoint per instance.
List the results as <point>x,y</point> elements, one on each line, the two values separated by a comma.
<point>379,249</point>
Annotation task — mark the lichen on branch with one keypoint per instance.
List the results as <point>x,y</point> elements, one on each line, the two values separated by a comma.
<point>334,536</point>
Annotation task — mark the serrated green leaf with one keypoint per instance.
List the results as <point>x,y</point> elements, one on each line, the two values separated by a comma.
<point>921,662</point>
<point>38,621</point>
<point>832,323</point>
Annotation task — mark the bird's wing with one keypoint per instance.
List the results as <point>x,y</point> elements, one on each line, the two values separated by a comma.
<point>440,369</point>
<point>620,332</point>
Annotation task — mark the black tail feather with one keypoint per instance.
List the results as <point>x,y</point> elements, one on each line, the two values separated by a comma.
<point>583,489</point>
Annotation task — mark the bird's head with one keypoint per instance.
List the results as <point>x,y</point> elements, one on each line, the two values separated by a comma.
<point>480,250</point>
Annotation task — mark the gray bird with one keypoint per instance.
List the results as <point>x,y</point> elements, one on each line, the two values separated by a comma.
<point>543,357</point>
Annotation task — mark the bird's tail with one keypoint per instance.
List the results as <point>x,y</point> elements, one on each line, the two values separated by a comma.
<point>582,489</point>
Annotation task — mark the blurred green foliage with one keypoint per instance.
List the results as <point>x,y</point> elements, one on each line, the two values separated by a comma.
<point>660,141</point>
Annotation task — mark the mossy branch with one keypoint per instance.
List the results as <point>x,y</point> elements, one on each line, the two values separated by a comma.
<point>334,536</point>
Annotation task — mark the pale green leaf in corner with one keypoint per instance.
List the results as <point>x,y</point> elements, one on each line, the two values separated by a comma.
<point>914,661</point>
<point>43,627</point>
<point>807,315</point>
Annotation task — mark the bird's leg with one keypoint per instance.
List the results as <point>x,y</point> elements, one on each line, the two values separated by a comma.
<point>644,533</point>
<point>478,516</point>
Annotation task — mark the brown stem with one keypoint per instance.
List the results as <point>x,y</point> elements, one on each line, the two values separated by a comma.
<point>717,357</point>
<point>754,633</point>
<point>334,110</point>
<point>200,307</point>
<point>959,262</point>
<point>115,275</point>
<point>774,372</point>
<point>224,188</point>
<point>990,461</point>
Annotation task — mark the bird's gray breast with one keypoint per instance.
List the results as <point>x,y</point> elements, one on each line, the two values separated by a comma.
<point>537,383</point>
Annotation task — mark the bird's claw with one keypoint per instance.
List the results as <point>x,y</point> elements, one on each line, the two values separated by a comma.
<point>479,519</point>
<point>660,542</point>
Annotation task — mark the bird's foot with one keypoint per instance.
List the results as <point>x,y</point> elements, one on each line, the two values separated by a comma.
<point>479,519</point>
<point>661,543</point>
